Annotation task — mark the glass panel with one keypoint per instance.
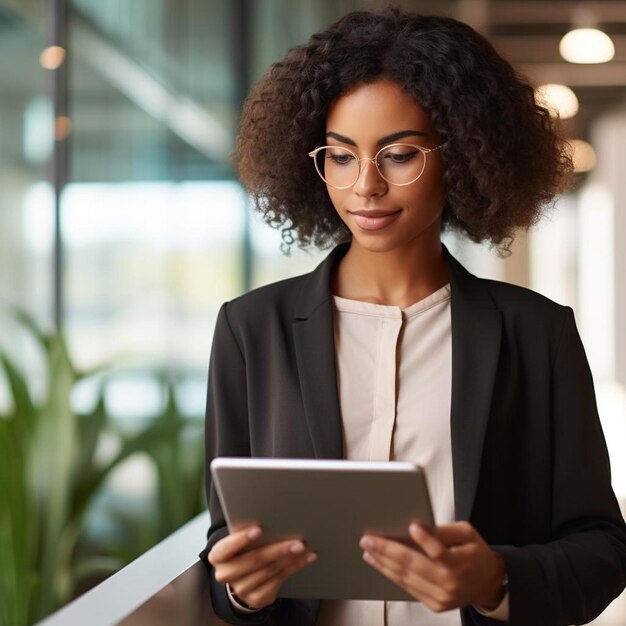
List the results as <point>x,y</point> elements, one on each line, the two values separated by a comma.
<point>152,223</point>
<point>26,203</point>
<point>148,264</point>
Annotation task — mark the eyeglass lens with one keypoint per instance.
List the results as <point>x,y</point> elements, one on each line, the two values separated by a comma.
<point>398,164</point>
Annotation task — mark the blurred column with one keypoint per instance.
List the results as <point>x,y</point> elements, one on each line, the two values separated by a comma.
<point>606,208</point>
<point>57,40</point>
<point>241,33</point>
<point>602,280</point>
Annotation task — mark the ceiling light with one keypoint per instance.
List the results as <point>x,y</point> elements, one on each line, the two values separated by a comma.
<point>560,100</point>
<point>587,45</point>
<point>584,155</point>
<point>52,57</point>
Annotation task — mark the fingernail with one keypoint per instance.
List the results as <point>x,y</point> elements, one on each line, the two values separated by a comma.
<point>311,557</point>
<point>366,543</point>
<point>296,548</point>
<point>415,529</point>
<point>254,532</point>
<point>368,557</point>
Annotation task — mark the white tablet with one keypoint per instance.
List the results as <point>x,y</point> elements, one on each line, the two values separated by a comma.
<point>329,505</point>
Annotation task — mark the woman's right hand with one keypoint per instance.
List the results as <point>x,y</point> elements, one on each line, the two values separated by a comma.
<point>257,575</point>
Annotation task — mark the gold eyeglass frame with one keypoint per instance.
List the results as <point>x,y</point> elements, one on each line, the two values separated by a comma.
<point>374,160</point>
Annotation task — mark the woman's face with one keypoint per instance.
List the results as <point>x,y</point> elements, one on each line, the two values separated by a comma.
<point>381,216</point>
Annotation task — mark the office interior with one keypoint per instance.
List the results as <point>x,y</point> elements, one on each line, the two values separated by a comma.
<point>123,229</point>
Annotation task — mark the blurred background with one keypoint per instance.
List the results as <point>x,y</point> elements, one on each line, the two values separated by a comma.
<point>123,229</point>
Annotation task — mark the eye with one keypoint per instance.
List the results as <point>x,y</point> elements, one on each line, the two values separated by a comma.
<point>401,157</point>
<point>342,158</point>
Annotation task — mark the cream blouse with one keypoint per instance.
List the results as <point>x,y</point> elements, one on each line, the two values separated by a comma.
<point>394,369</point>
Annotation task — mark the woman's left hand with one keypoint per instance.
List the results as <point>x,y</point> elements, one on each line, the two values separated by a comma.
<point>450,567</point>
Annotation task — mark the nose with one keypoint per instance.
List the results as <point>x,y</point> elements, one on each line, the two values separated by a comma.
<point>370,182</point>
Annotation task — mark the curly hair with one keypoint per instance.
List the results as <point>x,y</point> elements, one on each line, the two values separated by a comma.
<point>504,159</point>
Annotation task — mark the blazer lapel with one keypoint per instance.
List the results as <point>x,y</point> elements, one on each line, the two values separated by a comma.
<point>315,357</point>
<point>476,335</point>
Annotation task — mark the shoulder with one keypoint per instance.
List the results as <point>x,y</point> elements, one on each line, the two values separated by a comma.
<point>260,316</point>
<point>528,314</point>
<point>513,301</point>
<point>283,301</point>
<point>529,320</point>
<point>280,297</point>
<point>517,299</point>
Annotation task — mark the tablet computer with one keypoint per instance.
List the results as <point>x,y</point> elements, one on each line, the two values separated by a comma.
<point>329,505</point>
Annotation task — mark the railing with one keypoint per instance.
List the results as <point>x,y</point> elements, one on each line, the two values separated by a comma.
<point>166,585</point>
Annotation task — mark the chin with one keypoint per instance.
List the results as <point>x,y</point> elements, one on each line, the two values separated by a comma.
<point>378,243</point>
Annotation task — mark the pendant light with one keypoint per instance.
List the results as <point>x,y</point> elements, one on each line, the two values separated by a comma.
<point>586,43</point>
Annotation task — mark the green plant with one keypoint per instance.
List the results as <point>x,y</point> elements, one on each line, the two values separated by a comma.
<point>179,495</point>
<point>49,476</point>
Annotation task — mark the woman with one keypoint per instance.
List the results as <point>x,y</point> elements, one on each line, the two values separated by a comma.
<point>380,132</point>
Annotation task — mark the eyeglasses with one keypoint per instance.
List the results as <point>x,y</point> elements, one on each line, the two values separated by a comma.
<point>399,164</point>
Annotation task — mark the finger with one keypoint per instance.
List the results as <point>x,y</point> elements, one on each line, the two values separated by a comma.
<point>456,534</point>
<point>398,551</point>
<point>468,552</point>
<point>255,560</point>
<point>419,588</point>
<point>226,548</point>
<point>430,543</point>
<point>265,593</point>
<point>413,567</point>
<point>285,567</point>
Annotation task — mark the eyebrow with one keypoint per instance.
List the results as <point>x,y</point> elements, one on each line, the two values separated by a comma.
<point>383,140</point>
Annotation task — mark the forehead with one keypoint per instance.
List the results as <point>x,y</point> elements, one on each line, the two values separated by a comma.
<point>372,110</point>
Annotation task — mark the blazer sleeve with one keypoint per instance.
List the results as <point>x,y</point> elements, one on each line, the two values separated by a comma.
<point>574,577</point>
<point>227,434</point>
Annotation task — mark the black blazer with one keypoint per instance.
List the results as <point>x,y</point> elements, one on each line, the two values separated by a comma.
<point>531,470</point>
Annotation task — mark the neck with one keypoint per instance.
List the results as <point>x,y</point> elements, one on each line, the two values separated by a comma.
<point>398,277</point>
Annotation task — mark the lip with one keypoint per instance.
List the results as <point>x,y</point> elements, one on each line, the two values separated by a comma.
<point>374,220</point>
